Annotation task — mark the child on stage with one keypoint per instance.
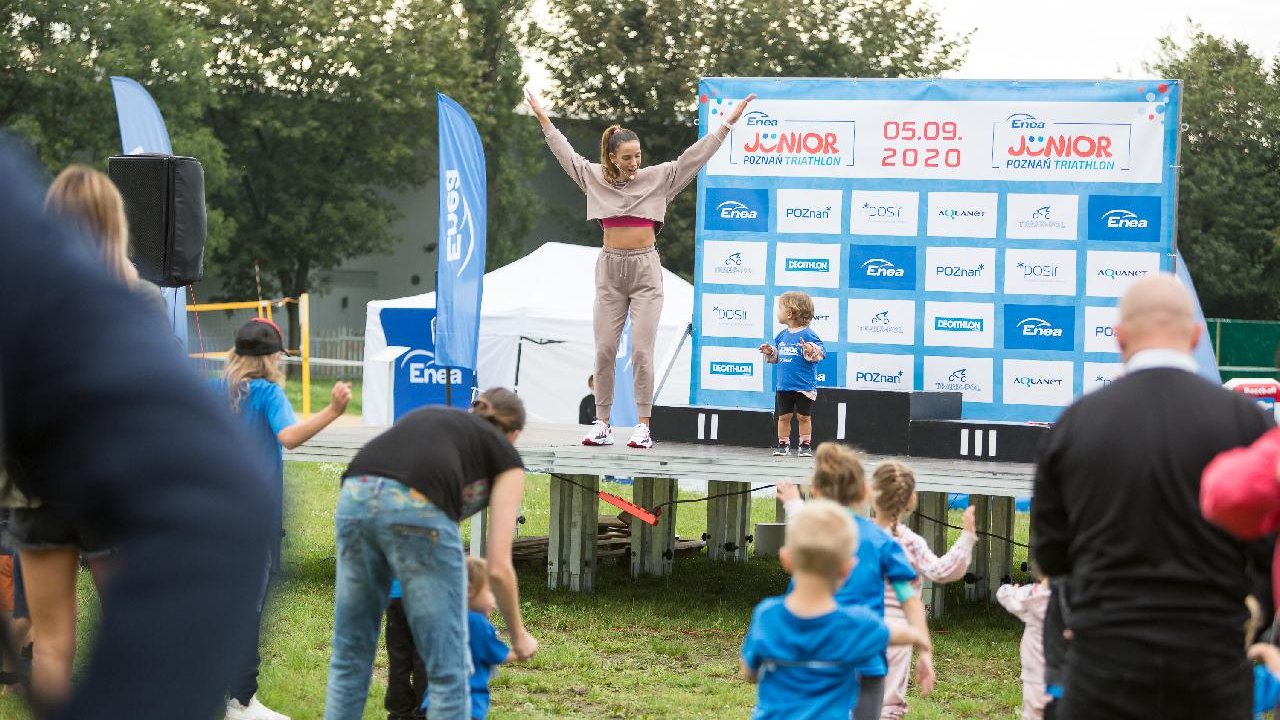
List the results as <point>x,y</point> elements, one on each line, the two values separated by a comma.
<point>797,350</point>
<point>803,648</point>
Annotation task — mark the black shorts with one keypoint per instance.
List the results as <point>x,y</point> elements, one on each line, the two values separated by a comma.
<point>47,528</point>
<point>791,401</point>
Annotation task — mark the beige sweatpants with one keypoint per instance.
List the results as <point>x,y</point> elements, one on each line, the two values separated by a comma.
<point>626,281</point>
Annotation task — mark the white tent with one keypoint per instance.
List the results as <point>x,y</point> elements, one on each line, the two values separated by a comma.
<point>537,312</point>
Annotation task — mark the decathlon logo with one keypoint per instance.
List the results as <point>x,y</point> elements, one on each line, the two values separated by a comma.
<point>734,210</point>
<point>959,271</point>
<point>460,231</point>
<point>733,369</point>
<point>952,324</point>
<point>1039,328</point>
<point>808,265</point>
<point>879,378</point>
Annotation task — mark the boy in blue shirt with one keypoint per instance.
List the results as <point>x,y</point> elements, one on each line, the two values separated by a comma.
<point>803,648</point>
<point>487,649</point>
<point>797,350</point>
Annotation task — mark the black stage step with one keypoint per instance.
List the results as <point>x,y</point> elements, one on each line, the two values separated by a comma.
<point>969,440</point>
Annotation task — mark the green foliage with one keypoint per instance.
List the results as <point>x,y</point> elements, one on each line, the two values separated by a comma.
<point>56,59</point>
<point>1229,189</point>
<point>638,63</point>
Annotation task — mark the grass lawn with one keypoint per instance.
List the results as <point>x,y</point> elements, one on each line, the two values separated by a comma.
<point>652,648</point>
<point>320,390</point>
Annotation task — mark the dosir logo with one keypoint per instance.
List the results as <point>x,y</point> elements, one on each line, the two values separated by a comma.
<point>736,369</point>
<point>1030,271</point>
<point>731,314</point>
<point>737,209</point>
<point>1124,218</point>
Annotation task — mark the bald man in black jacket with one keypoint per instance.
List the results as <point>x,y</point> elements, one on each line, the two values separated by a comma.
<point>1153,593</point>
<point>100,415</point>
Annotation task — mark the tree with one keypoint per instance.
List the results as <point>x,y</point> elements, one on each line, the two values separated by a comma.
<point>638,62</point>
<point>1229,186</point>
<point>323,106</point>
<point>56,59</point>
<point>512,144</point>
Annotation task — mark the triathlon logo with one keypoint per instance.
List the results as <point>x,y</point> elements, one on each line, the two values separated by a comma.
<point>1031,146</point>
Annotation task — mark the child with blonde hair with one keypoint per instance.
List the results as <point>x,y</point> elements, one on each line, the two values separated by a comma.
<point>894,485</point>
<point>839,475</point>
<point>1030,603</point>
<point>804,649</point>
<point>796,351</point>
<point>251,383</point>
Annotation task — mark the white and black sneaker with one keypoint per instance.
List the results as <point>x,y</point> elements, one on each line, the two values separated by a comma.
<point>601,434</point>
<point>806,449</point>
<point>784,448</point>
<point>640,437</point>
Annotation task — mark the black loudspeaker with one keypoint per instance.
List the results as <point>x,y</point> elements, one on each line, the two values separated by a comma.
<point>164,201</point>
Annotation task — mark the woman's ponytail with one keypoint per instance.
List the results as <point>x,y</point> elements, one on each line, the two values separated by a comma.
<point>501,407</point>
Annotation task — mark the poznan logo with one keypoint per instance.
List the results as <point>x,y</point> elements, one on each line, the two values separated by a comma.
<point>804,213</point>
<point>959,271</point>
<point>868,376</point>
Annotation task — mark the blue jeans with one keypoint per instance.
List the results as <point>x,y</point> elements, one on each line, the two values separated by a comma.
<point>383,531</point>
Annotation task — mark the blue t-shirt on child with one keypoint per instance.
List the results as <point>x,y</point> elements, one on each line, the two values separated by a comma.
<point>880,558</point>
<point>265,411</point>
<point>487,651</point>
<point>806,666</point>
<point>794,372</point>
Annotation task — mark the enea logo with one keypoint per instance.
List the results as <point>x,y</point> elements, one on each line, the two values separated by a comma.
<point>808,265</point>
<point>882,267</point>
<point>1023,141</point>
<point>1124,218</point>
<point>461,229</point>
<point>737,209</point>
<point>1039,327</point>
<point>763,139</point>
<point>732,369</point>
<point>426,372</point>
<point>957,324</point>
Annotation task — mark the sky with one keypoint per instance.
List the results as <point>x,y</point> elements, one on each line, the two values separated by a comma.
<point>1090,39</point>
<point>1078,39</point>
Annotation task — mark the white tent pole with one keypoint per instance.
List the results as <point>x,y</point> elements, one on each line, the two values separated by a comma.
<point>671,360</point>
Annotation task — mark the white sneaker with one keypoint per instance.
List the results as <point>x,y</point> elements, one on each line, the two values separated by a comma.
<point>255,710</point>
<point>640,437</point>
<point>601,434</point>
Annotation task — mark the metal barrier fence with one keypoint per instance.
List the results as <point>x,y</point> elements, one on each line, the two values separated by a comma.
<point>1244,348</point>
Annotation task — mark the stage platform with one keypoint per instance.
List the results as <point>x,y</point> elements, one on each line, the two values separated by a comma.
<point>657,472</point>
<point>548,448</point>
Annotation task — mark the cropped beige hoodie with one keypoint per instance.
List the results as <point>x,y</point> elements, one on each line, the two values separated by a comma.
<point>647,194</point>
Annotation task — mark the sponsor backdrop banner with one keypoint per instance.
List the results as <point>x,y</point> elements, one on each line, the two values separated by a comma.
<point>971,236</point>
